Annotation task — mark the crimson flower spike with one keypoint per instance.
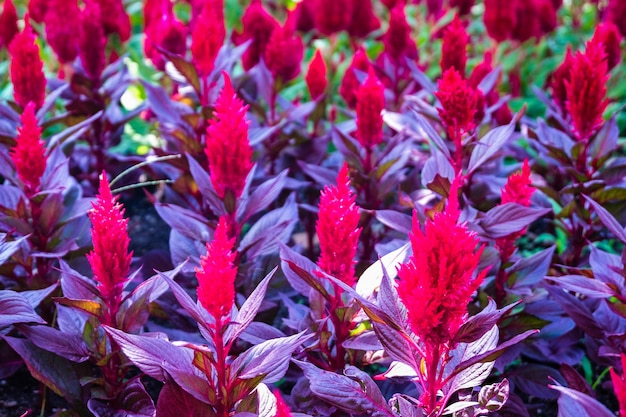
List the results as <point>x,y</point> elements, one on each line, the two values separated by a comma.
<point>29,154</point>
<point>114,18</point>
<point>350,83</point>
<point>8,23</point>
<point>227,147</point>
<point>110,257</point>
<point>558,78</point>
<point>608,34</point>
<point>333,16</point>
<point>619,387</point>
<point>284,51</point>
<point>208,37</point>
<point>337,230</point>
<point>217,272</point>
<point>282,409</point>
<point>26,68</point>
<point>60,35</point>
<point>586,90</point>
<point>369,105</point>
<point>91,41</point>
<point>258,26</point>
<point>316,79</point>
<point>440,277</point>
<point>454,47</point>
<point>518,189</point>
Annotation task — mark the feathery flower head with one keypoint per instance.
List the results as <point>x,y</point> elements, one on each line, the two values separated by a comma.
<point>350,83</point>
<point>616,13</point>
<point>518,189</point>
<point>284,51</point>
<point>227,147</point>
<point>586,90</point>
<point>208,37</point>
<point>217,272</point>
<point>8,23</point>
<point>26,69</point>
<point>168,33</point>
<point>337,230</point>
<point>392,3</point>
<point>316,79</point>
<point>114,18</point>
<point>364,20</point>
<point>305,13</point>
<point>369,105</point>
<point>558,78</point>
<point>458,103</point>
<point>29,154</point>
<point>258,26</point>
<point>440,277</point>
<point>481,70</point>
<point>332,16</point>
<point>282,409</point>
<point>110,258</point>
<point>37,9</point>
<point>454,47</point>
<point>397,39</point>
<point>500,18</point>
<point>91,41</point>
<point>527,22</point>
<point>608,34</point>
<point>546,16</point>
<point>152,11</point>
<point>619,386</point>
<point>60,35</point>
<point>464,7</point>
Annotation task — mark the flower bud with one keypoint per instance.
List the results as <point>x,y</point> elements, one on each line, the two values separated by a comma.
<point>316,79</point>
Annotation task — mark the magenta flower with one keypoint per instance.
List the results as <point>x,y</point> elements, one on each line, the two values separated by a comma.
<point>464,7</point>
<point>349,83</point>
<point>37,9</point>
<point>619,386</point>
<point>258,26</point>
<point>500,18</point>
<point>608,35</point>
<point>397,40</point>
<point>208,37</point>
<point>454,47</point>
<point>332,16</point>
<point>29,153</point>
<point>61,35</point>
<point>110,257</point>
<point>227,147</point>
<point>316,78</point>
<point>337,229</point>
<point>26,69</point>
<point>217,272</point>
<point>557,81</point>
<point>284,51</point>
<point>168,33</point>
<point>369,105</point>
<point>364,20</point>
<point>91,41</point>
<point>282,409</point>
<point>616,13</point>
<point>114,18</point>
<point>442,274</point>
<point>458,103</point>
<point>8,23</point>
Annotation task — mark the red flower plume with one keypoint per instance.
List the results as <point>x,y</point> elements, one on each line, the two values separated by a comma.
<point>608,35</point>
<point>258,26</point>
<point>29,153</point>
<point>91,41</point>
<point>208,37</point>
<point>114,18</point>
<point>8,23</point>
<point>586,90</point>
<point>37,9</point>
<point>557,81</point>
<point>458,103</point>
<point>26,69</point>
<point>227,147</point>
<point>619,386</point>
<point>364,20</point>
<point>316,79</point>
<point>110,258</point>
<point>527,21</point>
<point>337,230</point>
<point>616,13</point>
<point>284,51</point>
<point>440,277</point>
<point>500,18</point>
<point>166,32</point>
<point>332,16</point>
<point>60,35</point>
<point>518,189</point>
<point>305,11</point>
<point>369,105</point>
<point>454,48</point>
<point>397,39</point>
<point>350,83</point>
<point>217,272</point>
<point>282,410</point>
<point>464,7</point>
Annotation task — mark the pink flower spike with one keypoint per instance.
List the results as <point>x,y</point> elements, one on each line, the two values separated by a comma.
<point>619,386</point>
<point>26,69</point>
<point>29,154</point>
<point>608,34</point>
<point>8,23</point>
<point>60,35</point>
<point>284,51</point>
<point>316,79</point>
<point>369,105</point>
<point>258,26</point>
<point>438,281</point>
<point>518,188</point>
<point>350,84</point>
<point>208,37</point>
<point>110,257</point>
<point>227,147</point>
<point>458,103</point>
<point>217,272</point>
<point>91,41</point>
<point>337,229</point>
<point>454,48</point>
<point>282,410</point>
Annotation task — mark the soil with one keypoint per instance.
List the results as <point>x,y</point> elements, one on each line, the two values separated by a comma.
<point>21,395</point>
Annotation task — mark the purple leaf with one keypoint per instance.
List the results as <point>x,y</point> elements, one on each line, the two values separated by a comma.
<point>576,404</point>
<point>509,218</point>
<point>161,104</point>
<point>205,186</point>
<point>575,380</point>
<point>533,379</point>
<point>321,175</point>
<point>262,196</point>
<point>489,81</point>
<point>75,285</point>
<point>586,286</point>
<point>576,310</point>
<point>269,359</point>
<point>16,309</point>
<point>475,374</point>
<point>437,169</point>
<point>175,402</point>
<point>481,323</point>
<point>526,273</point>
<point>68,346</point>
<point>605,141</point>
<point>133,401</point>
<point>185,68</point>
<point>371,279</point>
<point>35,297</point>
<point>266,401</point>
<point>493,397</point>
<point>490,144</point>
<point>604,266</point>
<point>187,222</point>
<point>300,272</point>
<point>608,220</point>
<point>7,249</point>
<point>395,220</point>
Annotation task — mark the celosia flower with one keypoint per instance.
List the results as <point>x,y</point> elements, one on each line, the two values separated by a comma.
<point>546,16</point>
<point>454,47</point>
<point>616,13</point>
<point>464,7</point>
<point>397,39</point>
<point>152,11</point>
<point>500,18</point>
<point>586,90</point>
<point>337,230</point>
<point>114,18</point>
<point>364,20</point>
<point>207,38</point>
<point>608,35</point>
<point>435,8</point>
<point>481,70</point>
<point>558,79</point>
<point>458,103</point>
<point>60,35</point>
<point>392,3</point>
<point>227,147</point>
<point>167,33</point>
<point>8,23</point>
<point>369,105</point>
<point>258,26</point>
<point>91,41</point>
<point>332,16</point>
<point>217,272</point>
<point>284,51</point>
<point>37,9</point>
<point>440,277</point>
<point>527,22</point>
<point>26,69</point>
<point>619,386</point>
<point>350,83</point>
<point>29,153</point>
<point>110,258</point>
<point>282,410</point>
<point>316,79</point>
<point>304,12</point>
